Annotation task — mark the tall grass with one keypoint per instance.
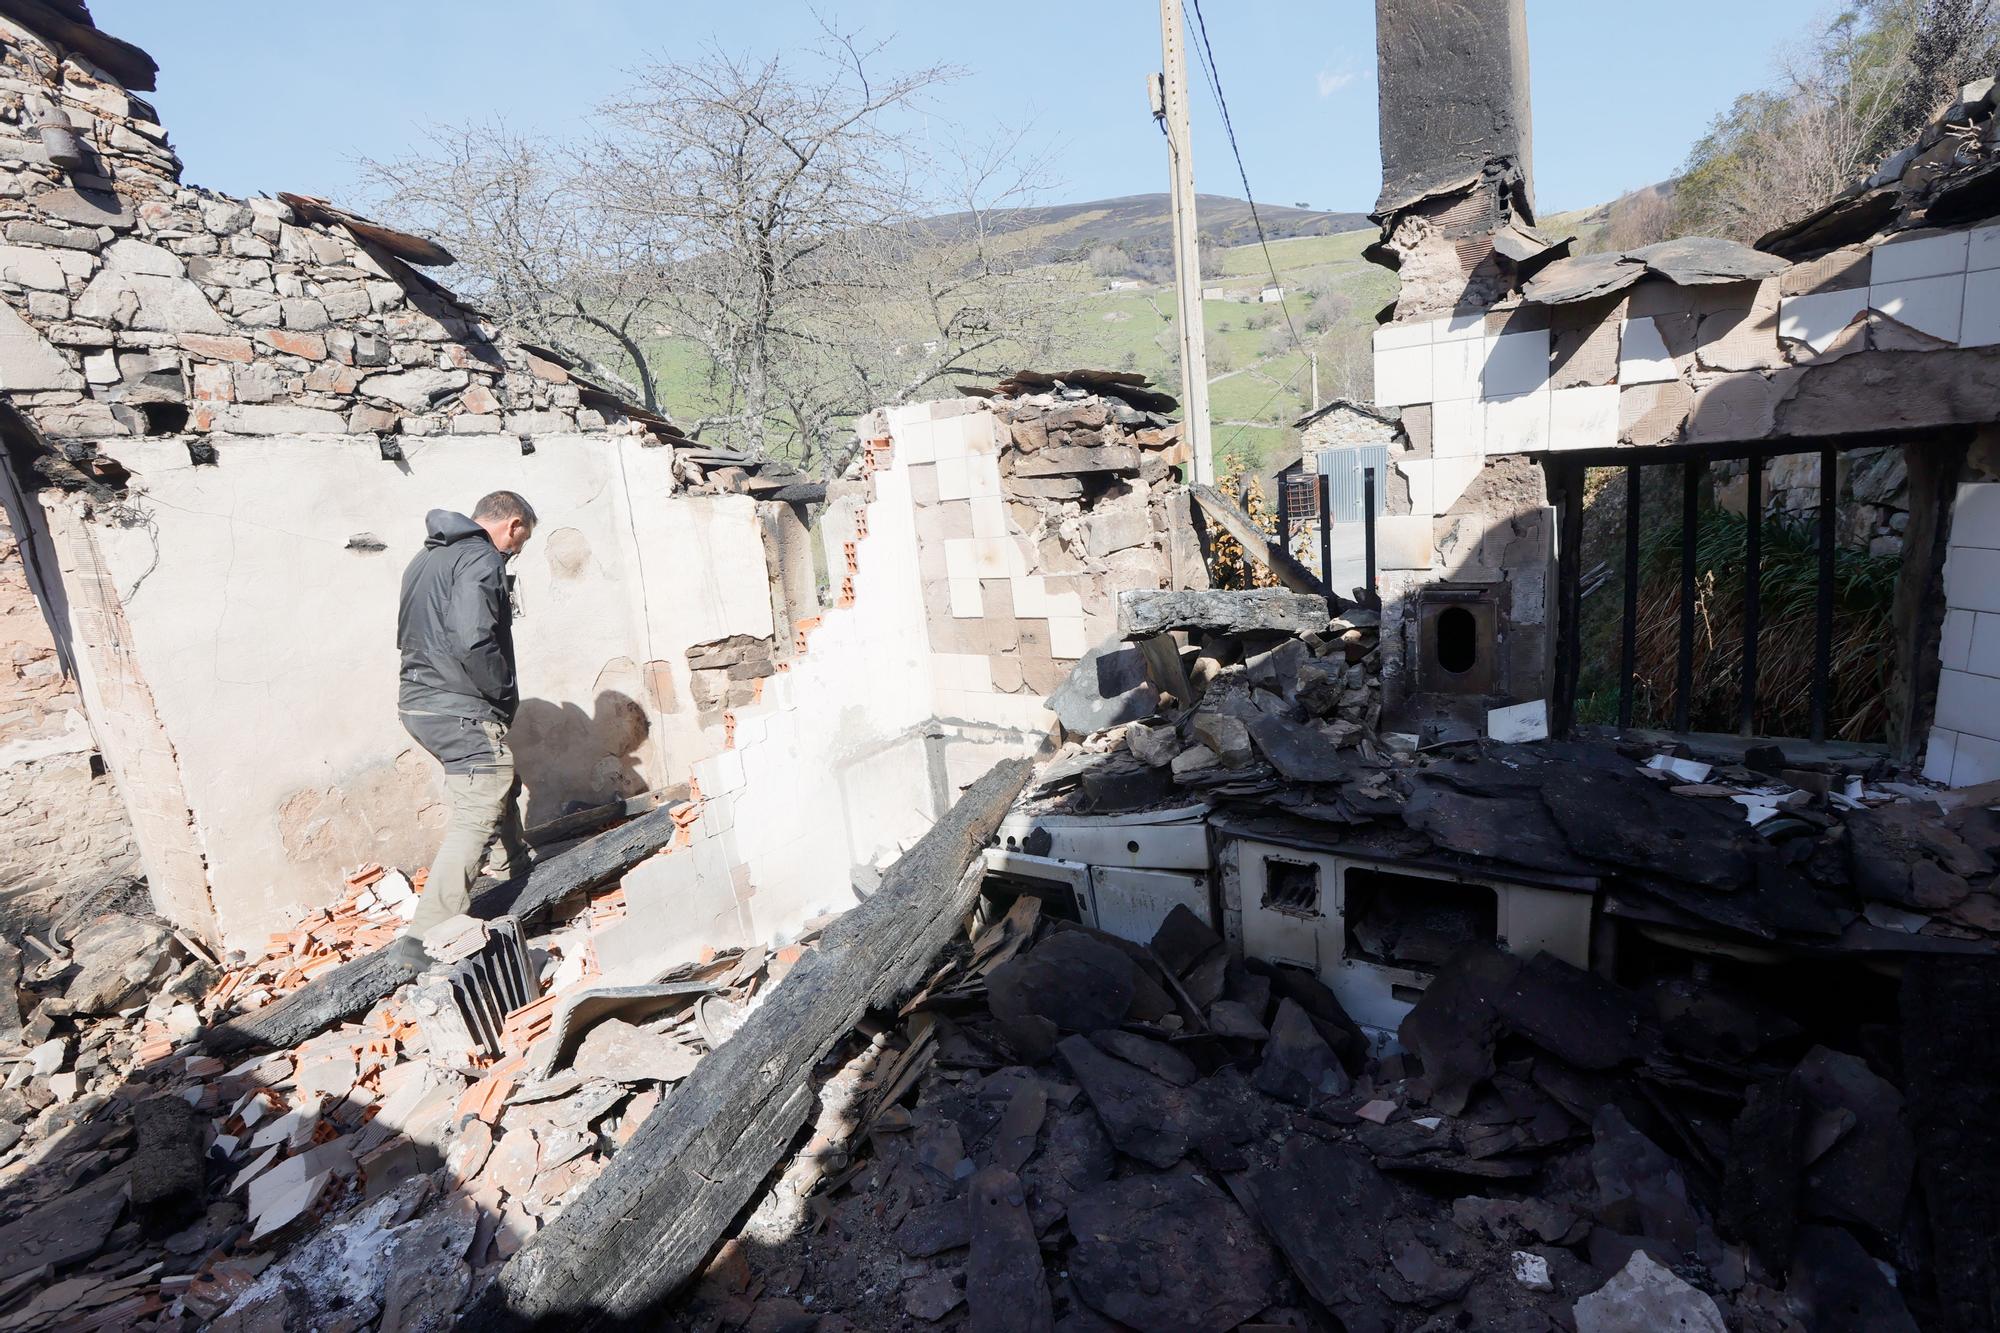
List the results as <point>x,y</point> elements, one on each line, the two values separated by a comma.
<point>1863,650</point>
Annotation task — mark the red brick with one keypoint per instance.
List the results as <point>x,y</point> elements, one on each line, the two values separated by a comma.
<point>222,349</point>
<point>478,399</point>
<point>308,345</point>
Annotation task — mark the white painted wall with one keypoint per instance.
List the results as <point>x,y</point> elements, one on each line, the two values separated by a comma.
<point>270,647</point>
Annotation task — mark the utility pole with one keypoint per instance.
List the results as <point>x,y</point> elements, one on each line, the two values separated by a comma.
<point>1170,109</point>
<point>1313,406</point>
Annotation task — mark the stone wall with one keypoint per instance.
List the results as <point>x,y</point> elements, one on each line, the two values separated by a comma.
<point>63,830</point>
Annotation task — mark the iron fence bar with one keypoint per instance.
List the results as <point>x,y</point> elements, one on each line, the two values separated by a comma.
<point>1369,596</point>
<point>1684,674</point>
<point>1753,573</point>
<point>1829,487</point>
<point>1569,595</point>
<point>1325,534</point>
<point>1629,645</point>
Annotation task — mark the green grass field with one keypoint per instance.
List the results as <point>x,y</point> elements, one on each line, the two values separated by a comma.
<point>1259,381</point>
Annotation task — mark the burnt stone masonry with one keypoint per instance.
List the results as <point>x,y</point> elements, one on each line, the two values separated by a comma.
<point>134,305</point>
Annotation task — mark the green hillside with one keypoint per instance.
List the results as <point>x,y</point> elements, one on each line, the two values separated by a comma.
<point>1260,376</point>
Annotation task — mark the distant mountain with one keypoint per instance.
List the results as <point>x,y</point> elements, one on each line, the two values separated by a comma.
<point>1142,224</point>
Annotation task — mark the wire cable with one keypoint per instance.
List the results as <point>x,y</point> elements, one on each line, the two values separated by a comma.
<point>1207,54</point>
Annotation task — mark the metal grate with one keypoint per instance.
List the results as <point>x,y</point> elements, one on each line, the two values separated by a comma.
<point>488,985</point>
<point>1302,498</point>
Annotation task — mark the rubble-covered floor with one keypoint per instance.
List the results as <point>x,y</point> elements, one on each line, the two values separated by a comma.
<point>1072,1131</point>
<point>361,1179</point>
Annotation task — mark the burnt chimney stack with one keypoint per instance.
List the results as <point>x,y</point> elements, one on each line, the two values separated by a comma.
<point>1454,101</point>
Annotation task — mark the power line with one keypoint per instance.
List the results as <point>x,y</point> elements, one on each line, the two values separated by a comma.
<point>1242,426</point>
<point>1207,54</point>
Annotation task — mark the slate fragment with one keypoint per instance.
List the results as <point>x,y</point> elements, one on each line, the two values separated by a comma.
<point>1453,1027</point>
<point>1327,1209</point>
<point>1005,1288</point>
<point>1183,939</point>
<point>1071,979</point>
<point>1299,1067</point>
<point>1835,1284</point>
<point>1574,1015</point>
<point>1155,1057</point>
<point>1169,1251</point>
<point>1146,1117</point>
<point>1865,1177</point>
<point>1760,1188</point>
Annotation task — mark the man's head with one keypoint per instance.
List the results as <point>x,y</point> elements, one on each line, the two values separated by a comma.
<point>508,519</point>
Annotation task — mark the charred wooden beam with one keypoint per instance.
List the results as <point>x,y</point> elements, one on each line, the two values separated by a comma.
<point>647,1224</point>
<point>1256,545</point>
<point>352,989</point>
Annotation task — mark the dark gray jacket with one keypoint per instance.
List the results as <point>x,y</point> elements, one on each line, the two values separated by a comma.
<point>455,629</point>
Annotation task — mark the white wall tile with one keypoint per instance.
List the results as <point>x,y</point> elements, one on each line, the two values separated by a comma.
<point>949,434</point>
<point>954,478</point>
<point>1977,761</point>
<point>1515,363</point>
<point>1453,327</point>
<point>1585,418</point>
<point>1417,333</point>
<point>1403,543</point>
<point>1642,354</point>
<point>1983,657</point>
<point>981,432</point>
<point>982,476</point>
<point>1403,376</point>
<point>1817,320</point>
<point>1972,578</point>
<point>1979,326</point>
<point>1969,704</point>
<point>1066,637</point>
<point>916,443</point>
<point>1421,474</point>
<point>992,555</point>
<point>1928,305</point>
<point>961,558</point>
<point>1984,251</point>
<point>1031,597</point>
<point>1455,368</point>
<point>989,516</point>
<point>1450,477</point>
<point>1517,425</point>
<point>1975,516</point>
<point>1458,429</point>
<point>1923,257</point>
<point>1955,640</point>
<point>966,601</point>
<point>1943,748</point>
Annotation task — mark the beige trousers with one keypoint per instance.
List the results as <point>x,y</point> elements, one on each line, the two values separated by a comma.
<point>482,808</point>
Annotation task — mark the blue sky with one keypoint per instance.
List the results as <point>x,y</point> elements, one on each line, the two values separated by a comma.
<point>263,96</point>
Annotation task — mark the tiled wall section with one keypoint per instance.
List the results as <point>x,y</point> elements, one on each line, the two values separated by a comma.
<point>1005,628</point>
<point>1965,742</point>
<point>1533,379</point>
<point>837,764</point>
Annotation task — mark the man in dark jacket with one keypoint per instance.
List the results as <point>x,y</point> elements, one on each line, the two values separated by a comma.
<point>455,628</point>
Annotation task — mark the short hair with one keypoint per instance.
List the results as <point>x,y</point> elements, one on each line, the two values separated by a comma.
<point>504,504</point>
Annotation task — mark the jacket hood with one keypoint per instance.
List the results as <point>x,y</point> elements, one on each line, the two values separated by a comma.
<point>442,527</point>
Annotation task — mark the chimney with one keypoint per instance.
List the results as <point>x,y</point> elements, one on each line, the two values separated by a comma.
<point>1454,103</point>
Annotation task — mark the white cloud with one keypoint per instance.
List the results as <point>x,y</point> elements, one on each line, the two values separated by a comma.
<point>1331,81</point>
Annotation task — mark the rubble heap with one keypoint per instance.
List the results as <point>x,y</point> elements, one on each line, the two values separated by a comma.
<point>1085,440</point>
<point>1071,1130</point>
<point>378,1169</point>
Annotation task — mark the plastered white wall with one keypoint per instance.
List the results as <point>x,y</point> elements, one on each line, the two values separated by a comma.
<point>269,645</point>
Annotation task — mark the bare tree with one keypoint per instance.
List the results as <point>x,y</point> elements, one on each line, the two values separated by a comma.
<point>532,249</point>
<point>798,226</point>
<point>1856,93</point>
